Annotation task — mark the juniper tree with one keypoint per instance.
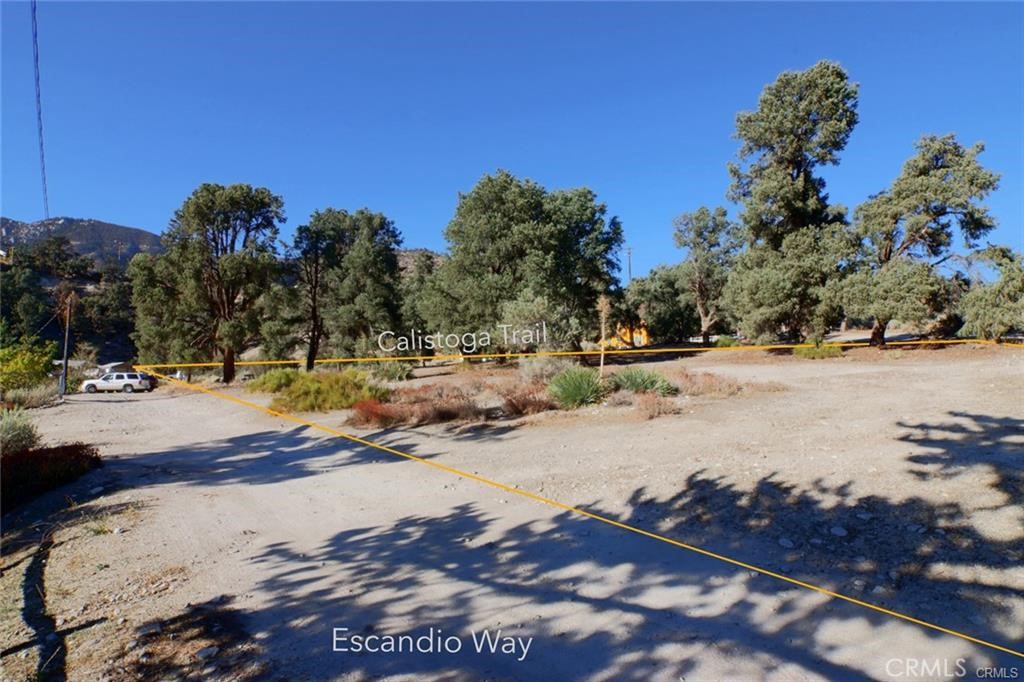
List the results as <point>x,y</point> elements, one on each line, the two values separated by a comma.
<point>711,242</point>
<point>993,310</point>
<point>909,228</point>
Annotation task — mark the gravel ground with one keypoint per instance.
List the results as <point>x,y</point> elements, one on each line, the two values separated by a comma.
<point>222,543</point>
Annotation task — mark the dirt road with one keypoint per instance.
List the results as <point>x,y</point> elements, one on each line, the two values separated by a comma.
<point>897,480</point>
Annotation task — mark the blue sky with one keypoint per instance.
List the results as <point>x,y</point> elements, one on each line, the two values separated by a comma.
<point>399,107</point>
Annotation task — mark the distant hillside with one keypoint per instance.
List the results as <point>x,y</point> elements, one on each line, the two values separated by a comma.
<point>407,257</point>
<point>95,238</point>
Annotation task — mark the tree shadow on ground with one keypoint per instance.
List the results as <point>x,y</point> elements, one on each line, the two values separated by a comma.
<point>606,604</point>
<point>968,442</point>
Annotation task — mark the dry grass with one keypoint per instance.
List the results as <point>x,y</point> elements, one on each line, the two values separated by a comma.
<point>706,383</point>
<point>715,385</point>
<point>652,405</point>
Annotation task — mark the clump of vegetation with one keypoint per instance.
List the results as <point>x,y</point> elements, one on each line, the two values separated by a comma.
<point>376,413</point>
<point>726,341</point>
<point>274,381</point>
<point>17,432</point>
<point>24,365</point>
<point>391,371</point>
<point>430,404</point>
<point>577,386</point>
<point>653,405</point>
<point>818,352</point>
<point>705,383</point>
<point>29,473</point>
<point>37,396</point>
<point>641,380</point>
<point>323,391</point>
<point>543,369</point>
<point>522,400</point>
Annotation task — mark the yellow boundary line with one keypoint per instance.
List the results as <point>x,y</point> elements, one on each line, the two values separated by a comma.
<point>582,512</point>
<point>581,353</point>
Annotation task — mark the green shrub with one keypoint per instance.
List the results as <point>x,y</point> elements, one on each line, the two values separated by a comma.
<point>391,371</point>
<point>37,396</point>
<point>640,380</point>
<point>274,380</point>
<point>577,386</point>
<point>726,341</point>
<point>24,365</point>
<point>818,352</point>
<point>323,391</point>
<point>17,432</point>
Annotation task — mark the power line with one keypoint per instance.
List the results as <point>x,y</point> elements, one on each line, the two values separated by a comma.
<point>39,110</point>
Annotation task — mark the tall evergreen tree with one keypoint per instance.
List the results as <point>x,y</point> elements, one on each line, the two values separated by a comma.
<point>364,291</point>
<point>512,241</point>
<point>318,250</point>
<point>798,243</point>
<point>221,257</point>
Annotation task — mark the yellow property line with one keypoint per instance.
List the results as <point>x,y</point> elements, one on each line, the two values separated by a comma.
<point>582,512</point>
<point>580,353</point>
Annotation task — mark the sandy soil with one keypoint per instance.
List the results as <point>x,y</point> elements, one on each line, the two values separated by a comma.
<point>896,478</point>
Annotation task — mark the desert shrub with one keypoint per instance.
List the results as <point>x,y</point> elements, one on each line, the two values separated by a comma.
<point>391,371</point>
<point>726,341</point>
<point>520,400</point>
<point>373,412</point>
<point>24,365</point>
<point>17,432</point>
<point>37,396</point>
<point>577,386</point>
<point>652,405</point>
<point>641,380</point>
<point>543,368</point>
<point>435,403</point>
<point>27,474</point>
<point>818,352</point>
<point>706,383</point>
<point>323,391</point>
<point>274,380</point>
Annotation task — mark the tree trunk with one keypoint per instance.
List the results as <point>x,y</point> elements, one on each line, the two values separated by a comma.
<point>313,350</point>
<point>878,332</point>
<point>229,365</point>
<point>705,337</point>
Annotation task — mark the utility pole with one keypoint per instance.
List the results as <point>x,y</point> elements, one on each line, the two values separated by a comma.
<point>69,303</point>
<point>629,264</point>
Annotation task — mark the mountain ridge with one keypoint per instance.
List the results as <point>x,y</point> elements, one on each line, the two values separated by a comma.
<point>97,239</point>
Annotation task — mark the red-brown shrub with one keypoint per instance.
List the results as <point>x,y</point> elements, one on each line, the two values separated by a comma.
<point>375,413</point>
<point>529,399</point>
<point>26,475</point>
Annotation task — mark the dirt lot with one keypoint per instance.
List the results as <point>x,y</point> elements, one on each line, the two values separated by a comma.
<point>222,543</point>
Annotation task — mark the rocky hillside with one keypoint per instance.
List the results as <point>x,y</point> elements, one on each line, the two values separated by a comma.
<point>95,238</point>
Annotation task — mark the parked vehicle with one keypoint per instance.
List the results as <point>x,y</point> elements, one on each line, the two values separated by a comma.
<point>128,382</point>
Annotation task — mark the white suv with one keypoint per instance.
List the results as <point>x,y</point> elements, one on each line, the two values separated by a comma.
<point>118,381</point>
